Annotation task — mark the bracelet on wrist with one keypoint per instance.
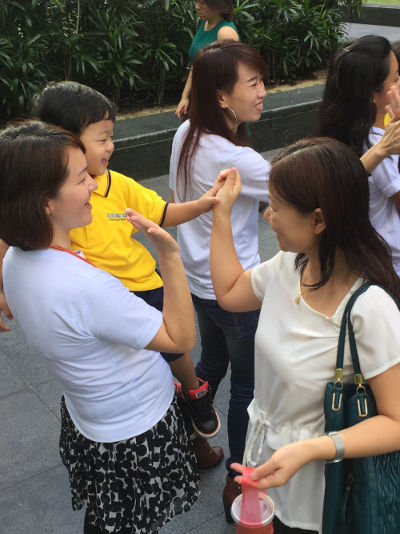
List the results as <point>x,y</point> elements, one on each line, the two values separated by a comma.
<point>339,448</point>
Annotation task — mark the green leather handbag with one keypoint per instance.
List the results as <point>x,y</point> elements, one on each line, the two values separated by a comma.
<point>362,495</point>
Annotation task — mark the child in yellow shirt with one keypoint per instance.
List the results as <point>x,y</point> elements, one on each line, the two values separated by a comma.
<point>109,243</point>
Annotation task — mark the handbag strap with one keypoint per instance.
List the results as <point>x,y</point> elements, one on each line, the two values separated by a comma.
<point>346,324</point>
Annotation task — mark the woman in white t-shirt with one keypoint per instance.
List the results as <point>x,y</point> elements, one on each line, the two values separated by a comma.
<point>319,212</point>
<point>353,111</point>
<point>122,438</point>
<point>227,91</point>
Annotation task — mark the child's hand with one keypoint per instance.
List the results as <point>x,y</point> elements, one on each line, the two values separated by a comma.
<point>162,240</point>
<point>209,199</point>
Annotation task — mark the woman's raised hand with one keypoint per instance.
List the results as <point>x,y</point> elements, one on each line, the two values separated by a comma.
<point>229,191</point>
<point>162,240</point>
<point>178,329</point>
<point>393,108</point>
<point>391,138</point>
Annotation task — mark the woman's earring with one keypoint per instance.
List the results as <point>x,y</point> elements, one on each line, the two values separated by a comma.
<point>234,117</point>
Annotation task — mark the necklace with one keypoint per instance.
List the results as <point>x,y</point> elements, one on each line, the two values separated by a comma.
<point>72,253</point>
<point>300,294</point>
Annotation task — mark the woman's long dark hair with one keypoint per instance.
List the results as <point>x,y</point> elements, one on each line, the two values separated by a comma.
<point>324,173</point>
<point>348,111</point>
<point>215,68</point>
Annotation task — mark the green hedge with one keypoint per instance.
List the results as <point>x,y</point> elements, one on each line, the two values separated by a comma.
<point>136,51</point>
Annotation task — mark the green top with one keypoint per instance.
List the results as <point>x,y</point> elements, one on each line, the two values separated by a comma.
<point>203,37</point>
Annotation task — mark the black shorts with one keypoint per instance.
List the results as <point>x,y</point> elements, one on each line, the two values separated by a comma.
<point>155,297</point>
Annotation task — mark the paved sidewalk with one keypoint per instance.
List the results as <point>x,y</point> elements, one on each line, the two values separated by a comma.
<point>355,31</point>
<point>34,490</point>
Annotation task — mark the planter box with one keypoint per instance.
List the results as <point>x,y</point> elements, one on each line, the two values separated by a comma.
<point>143,144</point>
<point>377,14</point>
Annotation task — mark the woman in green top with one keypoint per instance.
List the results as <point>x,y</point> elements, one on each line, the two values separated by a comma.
<point>216,25</point>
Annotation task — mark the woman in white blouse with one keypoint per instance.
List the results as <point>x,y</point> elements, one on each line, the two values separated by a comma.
<point>319,212</point>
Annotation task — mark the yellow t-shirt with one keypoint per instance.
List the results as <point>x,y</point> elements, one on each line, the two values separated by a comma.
<point>108,241</point>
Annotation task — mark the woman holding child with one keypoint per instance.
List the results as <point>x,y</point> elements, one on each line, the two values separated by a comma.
<point>122,439</point>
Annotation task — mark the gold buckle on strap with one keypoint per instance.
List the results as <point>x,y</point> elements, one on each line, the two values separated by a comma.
<point>337,397</point>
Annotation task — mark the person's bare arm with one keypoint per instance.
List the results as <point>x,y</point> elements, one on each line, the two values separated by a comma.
<point>178,331</point>
<point>178,213</point>
<point>3,303</point>
<point>227,32</point>
<point>183,106</point>
<point>232,285</point>
<point>388,144</point>
<point>377,435</point>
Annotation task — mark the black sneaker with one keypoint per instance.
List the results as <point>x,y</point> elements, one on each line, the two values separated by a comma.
<point>205,419</point>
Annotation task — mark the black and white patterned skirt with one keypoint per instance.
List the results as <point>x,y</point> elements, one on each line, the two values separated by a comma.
<point>133,486</point>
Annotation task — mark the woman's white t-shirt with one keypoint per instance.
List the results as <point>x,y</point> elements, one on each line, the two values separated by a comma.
<point>295,356</point>
<point>384,182</point>
<point>213,154</point>
<point>91,332</point>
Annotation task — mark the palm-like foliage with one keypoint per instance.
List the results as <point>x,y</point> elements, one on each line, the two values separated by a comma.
<point>137,49</point>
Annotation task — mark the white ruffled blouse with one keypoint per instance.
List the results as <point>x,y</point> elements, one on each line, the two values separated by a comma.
<point>295,356</point>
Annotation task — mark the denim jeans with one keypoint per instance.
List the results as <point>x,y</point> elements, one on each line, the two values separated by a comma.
<point>228,337</point>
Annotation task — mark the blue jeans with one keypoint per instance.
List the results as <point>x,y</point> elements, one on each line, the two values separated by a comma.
<point>228,337</point>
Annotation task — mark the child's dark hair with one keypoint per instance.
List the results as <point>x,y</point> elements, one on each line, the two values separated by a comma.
<point>72,106</point>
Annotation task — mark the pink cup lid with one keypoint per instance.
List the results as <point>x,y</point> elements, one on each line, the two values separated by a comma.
<point>267,509</point>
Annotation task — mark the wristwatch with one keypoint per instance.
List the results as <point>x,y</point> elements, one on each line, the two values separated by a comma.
<point>339,448</point>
